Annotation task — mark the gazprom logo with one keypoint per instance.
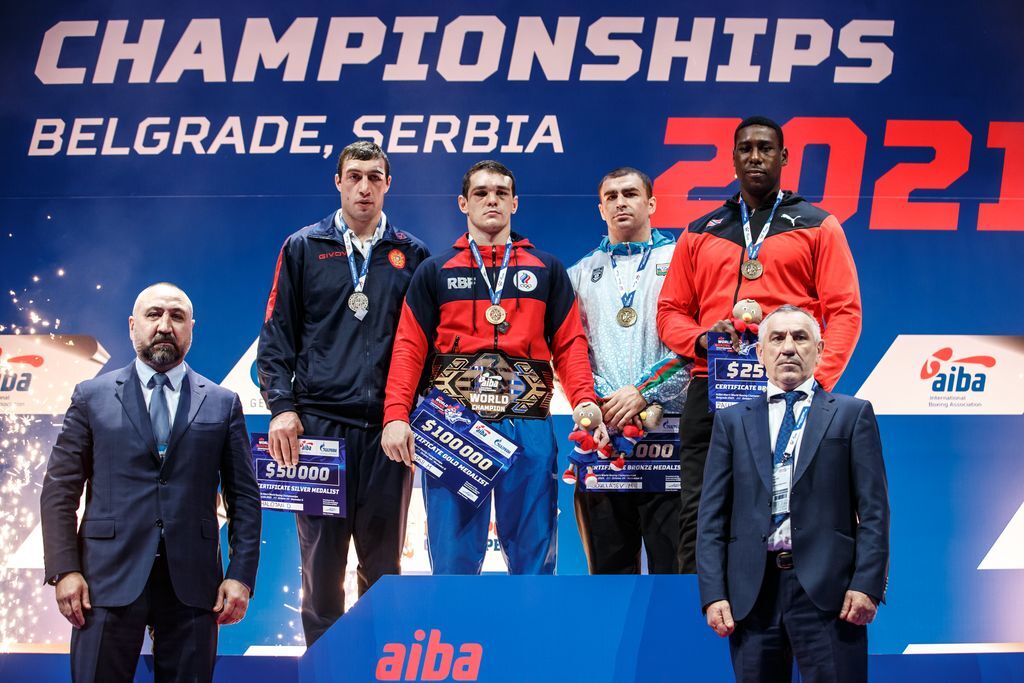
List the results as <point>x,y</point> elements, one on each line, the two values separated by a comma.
<point>956,375</point>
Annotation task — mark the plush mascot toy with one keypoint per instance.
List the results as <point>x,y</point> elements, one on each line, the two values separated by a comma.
<point>584,455</point>
<point>746,316</point>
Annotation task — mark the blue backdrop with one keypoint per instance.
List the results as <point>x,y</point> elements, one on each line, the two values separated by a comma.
<point>146,142</point>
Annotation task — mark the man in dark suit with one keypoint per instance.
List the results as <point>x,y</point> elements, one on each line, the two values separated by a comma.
<point>152,442</point>
<point>793,527</point>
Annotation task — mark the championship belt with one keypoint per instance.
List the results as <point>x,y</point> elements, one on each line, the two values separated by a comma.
<point>495,386</point>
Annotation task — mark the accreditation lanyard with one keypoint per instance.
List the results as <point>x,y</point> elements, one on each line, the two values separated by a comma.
<point>754,248</point>
<point>359,278</point>
<point>798,429</point>
<point>624,295</point>
<point>495,291</point>
<point>782,473</point>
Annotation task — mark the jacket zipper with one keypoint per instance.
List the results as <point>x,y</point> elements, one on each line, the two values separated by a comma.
<point>366,356</point>
<point>494,264</point>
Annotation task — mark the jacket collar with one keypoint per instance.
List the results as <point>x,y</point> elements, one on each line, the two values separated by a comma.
<point>175,375</point>
<point>823,409</point>
<point>325,230</point>
<point>788,199</point>
<point>518,241</point>
<point>128,389</point>
<point>658,239</point>
<point>755,419</point>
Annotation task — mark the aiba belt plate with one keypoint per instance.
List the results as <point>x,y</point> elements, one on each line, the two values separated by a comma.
<point>494,385</point>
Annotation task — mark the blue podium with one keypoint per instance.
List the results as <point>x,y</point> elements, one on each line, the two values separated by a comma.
<point>507,628</point>
<point>597,629</point>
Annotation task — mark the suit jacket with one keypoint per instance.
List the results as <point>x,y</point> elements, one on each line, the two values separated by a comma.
<point>132,497</point>
<point>839,505</point>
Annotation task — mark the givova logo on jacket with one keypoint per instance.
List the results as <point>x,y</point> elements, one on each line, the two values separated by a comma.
<point>955,374</point>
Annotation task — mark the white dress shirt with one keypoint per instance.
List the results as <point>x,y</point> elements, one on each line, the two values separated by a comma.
<point>172,390</point>
<point>782,539</point>
<point>360,245</point>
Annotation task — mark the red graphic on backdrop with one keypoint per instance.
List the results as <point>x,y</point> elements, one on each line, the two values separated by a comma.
<point>34,361</point>
<point>888,204</point>
<point>934,363</point>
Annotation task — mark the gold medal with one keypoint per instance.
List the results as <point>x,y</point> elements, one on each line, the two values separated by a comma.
<point>495,314</point>
<point>752,269</point>
<point>358,302</point>
<point>626,317</point>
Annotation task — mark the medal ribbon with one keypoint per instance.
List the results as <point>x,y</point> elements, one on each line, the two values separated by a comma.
<point>754,248</point>
<point>627,297</point>
<point>359,279</point>
<point>493,292</point>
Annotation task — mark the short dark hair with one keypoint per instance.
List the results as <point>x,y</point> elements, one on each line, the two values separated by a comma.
<point>624,171</point>
<point>364,150</point>
<point>790,308</point>
<point>487,165</point>
<point>758,121</point>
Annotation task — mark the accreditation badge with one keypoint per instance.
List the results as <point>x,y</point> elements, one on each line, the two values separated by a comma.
<point>733,377</point>
<point>458,449</point>
<point>315,486</point>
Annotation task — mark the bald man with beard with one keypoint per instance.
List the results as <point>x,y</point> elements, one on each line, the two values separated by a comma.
<point>152,442</point>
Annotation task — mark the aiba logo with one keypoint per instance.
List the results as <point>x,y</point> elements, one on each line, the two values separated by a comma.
<point>439,663</point>
<point>14,378</point>
<point>962,375</point>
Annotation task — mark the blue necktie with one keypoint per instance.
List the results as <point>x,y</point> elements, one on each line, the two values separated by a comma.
<point>159,415</point>
<point>785,432</point>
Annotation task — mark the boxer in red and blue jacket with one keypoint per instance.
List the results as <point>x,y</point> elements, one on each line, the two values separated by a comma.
<point>444,312</point>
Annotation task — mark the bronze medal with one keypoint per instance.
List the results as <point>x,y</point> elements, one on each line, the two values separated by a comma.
<point>495,314</point>
<point>358,302</point>
<point>752,269</point>
<point>626,317</point>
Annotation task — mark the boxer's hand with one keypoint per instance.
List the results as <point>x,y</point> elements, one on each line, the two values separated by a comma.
<point>723,326</point>
<point>397,442</point>
<point>622,406</point>
<point>285,430</point>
